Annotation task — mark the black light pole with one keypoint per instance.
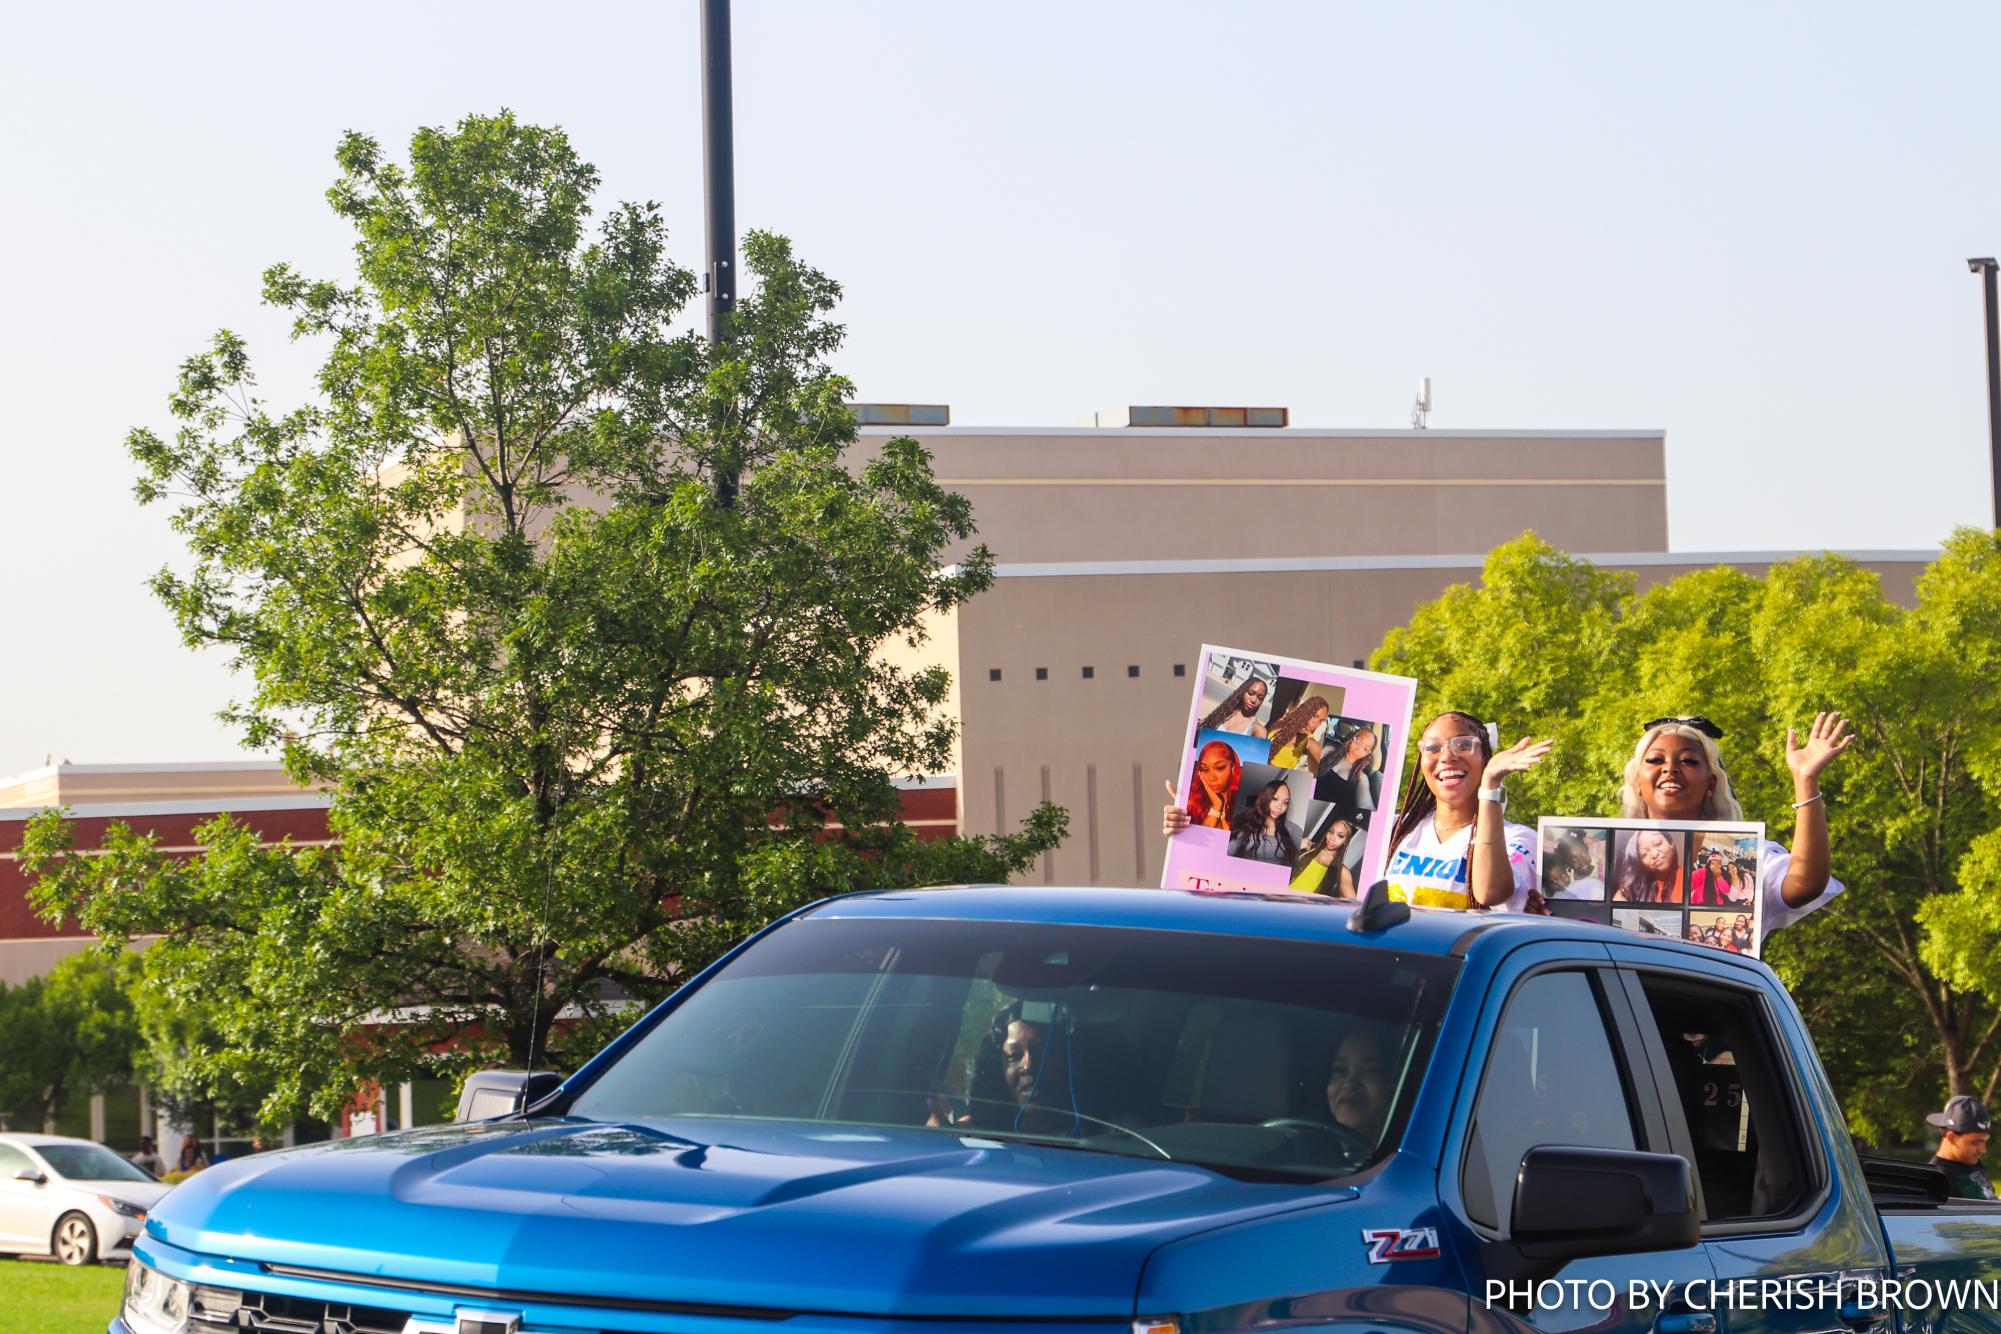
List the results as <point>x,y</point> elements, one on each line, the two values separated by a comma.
<point>1985,268</point>
<point>719,179</point>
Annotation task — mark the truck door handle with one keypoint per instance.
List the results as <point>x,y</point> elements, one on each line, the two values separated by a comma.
<point>1686,1322</point>
<point>1852,1314</point>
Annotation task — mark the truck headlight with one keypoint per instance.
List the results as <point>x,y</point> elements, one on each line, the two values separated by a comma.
<point>154,1303</point>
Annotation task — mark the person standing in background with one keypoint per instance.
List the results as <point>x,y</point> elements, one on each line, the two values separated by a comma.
<point>1963,1142</point>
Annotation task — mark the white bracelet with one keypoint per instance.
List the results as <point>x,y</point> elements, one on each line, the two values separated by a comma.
<point>1808,802</point>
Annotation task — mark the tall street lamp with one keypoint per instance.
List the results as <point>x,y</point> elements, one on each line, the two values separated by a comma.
<point>719,178</point>
<point>1985,268</point>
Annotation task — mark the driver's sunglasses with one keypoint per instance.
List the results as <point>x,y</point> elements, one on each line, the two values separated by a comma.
<point>1459,745</point>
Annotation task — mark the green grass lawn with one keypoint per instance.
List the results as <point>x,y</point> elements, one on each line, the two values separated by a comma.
<point>42,1298</point>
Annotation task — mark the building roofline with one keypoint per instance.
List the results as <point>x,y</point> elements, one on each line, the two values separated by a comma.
<point>306,801</point>
<point>1400,433</point>
<point>118,810</point>
<point>176,767</point>
<point>1317,564</point>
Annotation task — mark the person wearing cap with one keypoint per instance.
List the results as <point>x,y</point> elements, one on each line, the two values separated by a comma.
<point>1677,773</point>
<point>1965,1125</point>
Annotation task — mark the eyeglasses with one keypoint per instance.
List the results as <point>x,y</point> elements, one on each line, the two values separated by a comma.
<point>1697,721</point>
<point>1459,745</point>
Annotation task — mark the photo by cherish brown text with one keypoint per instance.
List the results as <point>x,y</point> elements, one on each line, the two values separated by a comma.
<point>1850,1296</point>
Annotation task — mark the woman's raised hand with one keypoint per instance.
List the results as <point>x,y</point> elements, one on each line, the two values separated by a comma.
<point>1827,738</point>
<point>1523,755</point>
<point>1174,817</point>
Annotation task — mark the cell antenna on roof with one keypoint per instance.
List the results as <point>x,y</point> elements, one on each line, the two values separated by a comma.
<point>1377,910</point>
<point>1420,411</point>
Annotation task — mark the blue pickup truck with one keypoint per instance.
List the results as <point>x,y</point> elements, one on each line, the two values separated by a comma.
<point>1102,1112</point>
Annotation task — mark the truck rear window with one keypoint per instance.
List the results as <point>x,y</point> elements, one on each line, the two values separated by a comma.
<point>1261,1058</point>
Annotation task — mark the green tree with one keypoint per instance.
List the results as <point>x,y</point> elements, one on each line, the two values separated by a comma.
<point>70,1032</point>
<point>585,724</point>
<point>1897,976</point>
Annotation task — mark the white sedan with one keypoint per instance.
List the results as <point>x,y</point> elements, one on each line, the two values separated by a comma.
<point>70,1198</point>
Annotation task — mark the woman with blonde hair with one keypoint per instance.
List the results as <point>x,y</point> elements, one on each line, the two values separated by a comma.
<point>1677,773</point>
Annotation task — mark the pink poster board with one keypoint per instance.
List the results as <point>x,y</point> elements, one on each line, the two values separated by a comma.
<point>1290,773</point>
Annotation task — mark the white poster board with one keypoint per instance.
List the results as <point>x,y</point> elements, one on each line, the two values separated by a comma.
<point>1695,880</point>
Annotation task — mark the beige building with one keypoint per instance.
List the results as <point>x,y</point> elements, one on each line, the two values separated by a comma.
<point>1121,550</point>
<point>1060,495</point>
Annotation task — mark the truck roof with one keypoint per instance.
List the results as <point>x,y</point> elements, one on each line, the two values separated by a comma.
<point>1276,914</point>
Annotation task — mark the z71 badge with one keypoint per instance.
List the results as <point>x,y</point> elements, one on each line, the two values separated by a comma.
<point>1387,1244</point>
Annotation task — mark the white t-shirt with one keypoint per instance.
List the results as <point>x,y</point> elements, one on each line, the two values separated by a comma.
<point>1431,873</point>
<point>1773,862</point>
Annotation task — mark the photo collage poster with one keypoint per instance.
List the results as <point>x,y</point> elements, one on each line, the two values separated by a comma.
<point>1289,774</point>
<point>1695,880</point>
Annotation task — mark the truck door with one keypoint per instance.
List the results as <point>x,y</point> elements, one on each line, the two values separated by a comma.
<point>1557,1073</point>
<point>1788,1234</point>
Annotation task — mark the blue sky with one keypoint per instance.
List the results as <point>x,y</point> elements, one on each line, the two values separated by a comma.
<point>1743,224</point>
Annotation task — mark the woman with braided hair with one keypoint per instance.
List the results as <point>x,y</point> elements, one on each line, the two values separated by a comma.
<point>1294,738</point>
<point>1239,710</point>
<point>1451,846</point>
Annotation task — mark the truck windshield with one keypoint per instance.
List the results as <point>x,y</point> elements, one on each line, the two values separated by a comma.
<point>1259,1058</point>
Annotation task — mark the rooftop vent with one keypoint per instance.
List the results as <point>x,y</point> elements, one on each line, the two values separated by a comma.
<point>902,414</point>
<point>1201,417</point>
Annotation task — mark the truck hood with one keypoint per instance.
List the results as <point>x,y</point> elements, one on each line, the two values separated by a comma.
<point>788,1216</point>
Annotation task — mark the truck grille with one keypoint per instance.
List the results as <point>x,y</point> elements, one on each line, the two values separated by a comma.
<point>214,1310</point>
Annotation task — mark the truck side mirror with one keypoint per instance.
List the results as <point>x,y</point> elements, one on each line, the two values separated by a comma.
<point>1575,1202</point>
<point>492,1093</point>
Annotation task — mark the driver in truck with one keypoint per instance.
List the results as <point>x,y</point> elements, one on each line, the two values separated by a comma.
<point>1358,1084</point>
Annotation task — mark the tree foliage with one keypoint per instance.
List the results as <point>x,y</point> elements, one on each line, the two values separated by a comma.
<point>1898,976</point>
<point>585,724</point>
<point>72,1031</point>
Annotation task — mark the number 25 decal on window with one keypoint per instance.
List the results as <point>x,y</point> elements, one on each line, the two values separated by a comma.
<point>1732,1094</point>
<point>1388,1244</point>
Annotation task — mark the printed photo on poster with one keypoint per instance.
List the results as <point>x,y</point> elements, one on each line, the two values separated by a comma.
<point>1647,921</point>
<point>1332,852</point>
<point>1723,871</point>
<point>1236,695</point>
<point>1694,880</point>
<point>1733,931</point>
<point>1648,865</point>
<point>1286,764</point>
<point>1301,713</point>
<point>1573,863</point>
<point>1350,773</point>
<point>1268,824</point>
<point>1213,785</point>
